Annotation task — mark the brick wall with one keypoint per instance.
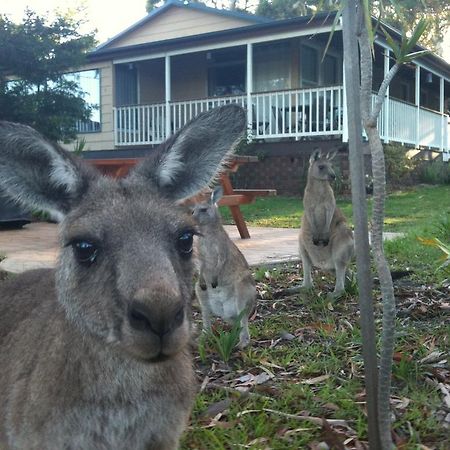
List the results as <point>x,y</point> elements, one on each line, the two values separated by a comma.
<point>284,167</point>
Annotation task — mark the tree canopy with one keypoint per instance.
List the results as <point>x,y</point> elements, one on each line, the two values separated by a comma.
<point>35,56</point>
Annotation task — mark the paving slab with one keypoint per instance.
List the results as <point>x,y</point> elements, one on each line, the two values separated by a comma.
<point>36,246</point>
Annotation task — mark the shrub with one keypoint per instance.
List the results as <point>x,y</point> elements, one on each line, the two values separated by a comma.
<point>434,172</point>
<point>399,167</point>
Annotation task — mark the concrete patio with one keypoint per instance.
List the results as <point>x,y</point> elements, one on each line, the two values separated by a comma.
<point>36,246</point>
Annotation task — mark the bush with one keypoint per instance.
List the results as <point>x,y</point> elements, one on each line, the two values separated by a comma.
<point>434,172</point>
<point>399,167</point>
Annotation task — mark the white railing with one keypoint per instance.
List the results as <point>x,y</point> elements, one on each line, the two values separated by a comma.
<point>298,113</point>
<point>140,124</point>
<point>87,126</point>
<point>290,113</point>
<point>183,112</point>
<point>398,119</point>
<point>283,114</point>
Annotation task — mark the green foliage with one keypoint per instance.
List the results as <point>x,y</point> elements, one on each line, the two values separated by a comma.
<point>407,14</point>
<point>398,166</point>
<point>434,172</point>
<point>403,52</point>
<point>35,55</point>
<point>285,9</point>
<point>223,340</point>
<point>79,146</point>
<point>318,372</point>
<point>150,5</point>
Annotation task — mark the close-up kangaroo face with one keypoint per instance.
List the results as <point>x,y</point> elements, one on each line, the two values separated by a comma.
<point>126,230</point>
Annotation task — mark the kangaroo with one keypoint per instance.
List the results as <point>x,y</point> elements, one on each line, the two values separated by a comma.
<point>325,240</point>
<point>95,354</point>
<point>225,287</point>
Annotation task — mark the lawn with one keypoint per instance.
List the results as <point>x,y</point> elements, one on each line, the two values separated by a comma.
<point>404,209</point>
<point>300,383</point>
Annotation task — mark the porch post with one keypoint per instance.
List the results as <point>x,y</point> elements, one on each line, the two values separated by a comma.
<point>441,110</point>
<point>344,109</point>
<point>168,94</point>
<point>386,127</point>
<point>249,91</point>
<point>417,105</point>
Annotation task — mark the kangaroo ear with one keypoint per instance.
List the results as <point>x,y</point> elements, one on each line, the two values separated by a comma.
<point>188,161</point>
<point>37,174</point>
<point>331,155</point>
<point>216,195</point>
<point>316,154</point>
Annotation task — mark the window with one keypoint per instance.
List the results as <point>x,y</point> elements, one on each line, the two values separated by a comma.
<point>309,66</point>
<point>315,72</point>
<point>89,82</point>
<point>126,85</point>
<point>271,67</point>
<point>226,72</point>
<point>329,70</point>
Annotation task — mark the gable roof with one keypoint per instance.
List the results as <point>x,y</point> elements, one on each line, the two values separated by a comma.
<point>245,18</point>
<point>253,26</point>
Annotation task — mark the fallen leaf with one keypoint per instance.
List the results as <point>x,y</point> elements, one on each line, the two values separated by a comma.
<point>316,380</point>
<point>216,408</point>
<point>331,437</point>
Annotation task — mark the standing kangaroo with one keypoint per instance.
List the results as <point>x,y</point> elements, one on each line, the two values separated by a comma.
<point>225,287</point>
<point>325,239</point>
<point>95,355</point>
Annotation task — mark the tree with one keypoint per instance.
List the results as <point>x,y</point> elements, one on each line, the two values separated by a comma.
<point>358,34</point>
<point>406,14</point>
<point>35,57</point>
<point>400,14</point>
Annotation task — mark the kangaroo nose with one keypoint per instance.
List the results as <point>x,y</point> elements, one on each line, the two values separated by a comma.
<point>332,176</point>
<point>141,318</point>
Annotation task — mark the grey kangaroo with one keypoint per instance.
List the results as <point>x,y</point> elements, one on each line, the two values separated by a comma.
<point>325,239</point>
<point>225,287</point>
<point>95,355</point>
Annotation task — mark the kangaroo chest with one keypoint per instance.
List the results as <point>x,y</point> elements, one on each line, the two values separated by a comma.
<point>221,302</point>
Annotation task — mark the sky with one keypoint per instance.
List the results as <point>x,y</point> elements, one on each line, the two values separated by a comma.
<point>109,17</point>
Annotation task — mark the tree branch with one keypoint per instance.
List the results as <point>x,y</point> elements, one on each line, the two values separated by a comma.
<point>382,92</point>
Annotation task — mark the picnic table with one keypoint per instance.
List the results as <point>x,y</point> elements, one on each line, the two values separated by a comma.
<point>232,198</point>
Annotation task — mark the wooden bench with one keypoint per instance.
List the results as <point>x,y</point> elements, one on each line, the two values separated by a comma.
<point>119,167</point>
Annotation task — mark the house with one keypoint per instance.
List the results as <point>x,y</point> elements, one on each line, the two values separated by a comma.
<point>182,59</point>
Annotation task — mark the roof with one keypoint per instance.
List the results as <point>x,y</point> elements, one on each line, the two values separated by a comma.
<point>260,27</point>
<point>257,26</point>
<point>170,4</point>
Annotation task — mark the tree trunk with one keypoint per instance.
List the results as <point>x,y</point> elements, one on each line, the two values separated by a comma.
<point>379,194</point>
<point>356,158</point>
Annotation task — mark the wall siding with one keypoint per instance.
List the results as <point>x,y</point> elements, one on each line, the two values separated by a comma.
<point>178,22</point>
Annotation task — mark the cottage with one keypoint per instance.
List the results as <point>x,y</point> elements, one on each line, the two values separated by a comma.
<point>182,59</point>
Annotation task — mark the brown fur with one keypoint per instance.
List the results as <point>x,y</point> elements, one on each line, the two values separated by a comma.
<point>225,287</point>
<point>325,240</point>
<point>95,355</point>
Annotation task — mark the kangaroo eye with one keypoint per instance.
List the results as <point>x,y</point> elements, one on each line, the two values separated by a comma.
<point>184,243</point>
<point>85,252</point>
<point>321,167</point>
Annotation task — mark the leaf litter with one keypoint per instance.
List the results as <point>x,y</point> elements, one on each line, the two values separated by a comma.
<point>288,320</point>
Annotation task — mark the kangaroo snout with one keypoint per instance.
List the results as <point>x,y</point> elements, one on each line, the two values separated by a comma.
<point>157,325</point>
<point>142,318</point>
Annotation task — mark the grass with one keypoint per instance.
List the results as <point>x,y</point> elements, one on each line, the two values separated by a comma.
<point>304,363</point>
<point>305,360</point>
<point>404,209</point>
